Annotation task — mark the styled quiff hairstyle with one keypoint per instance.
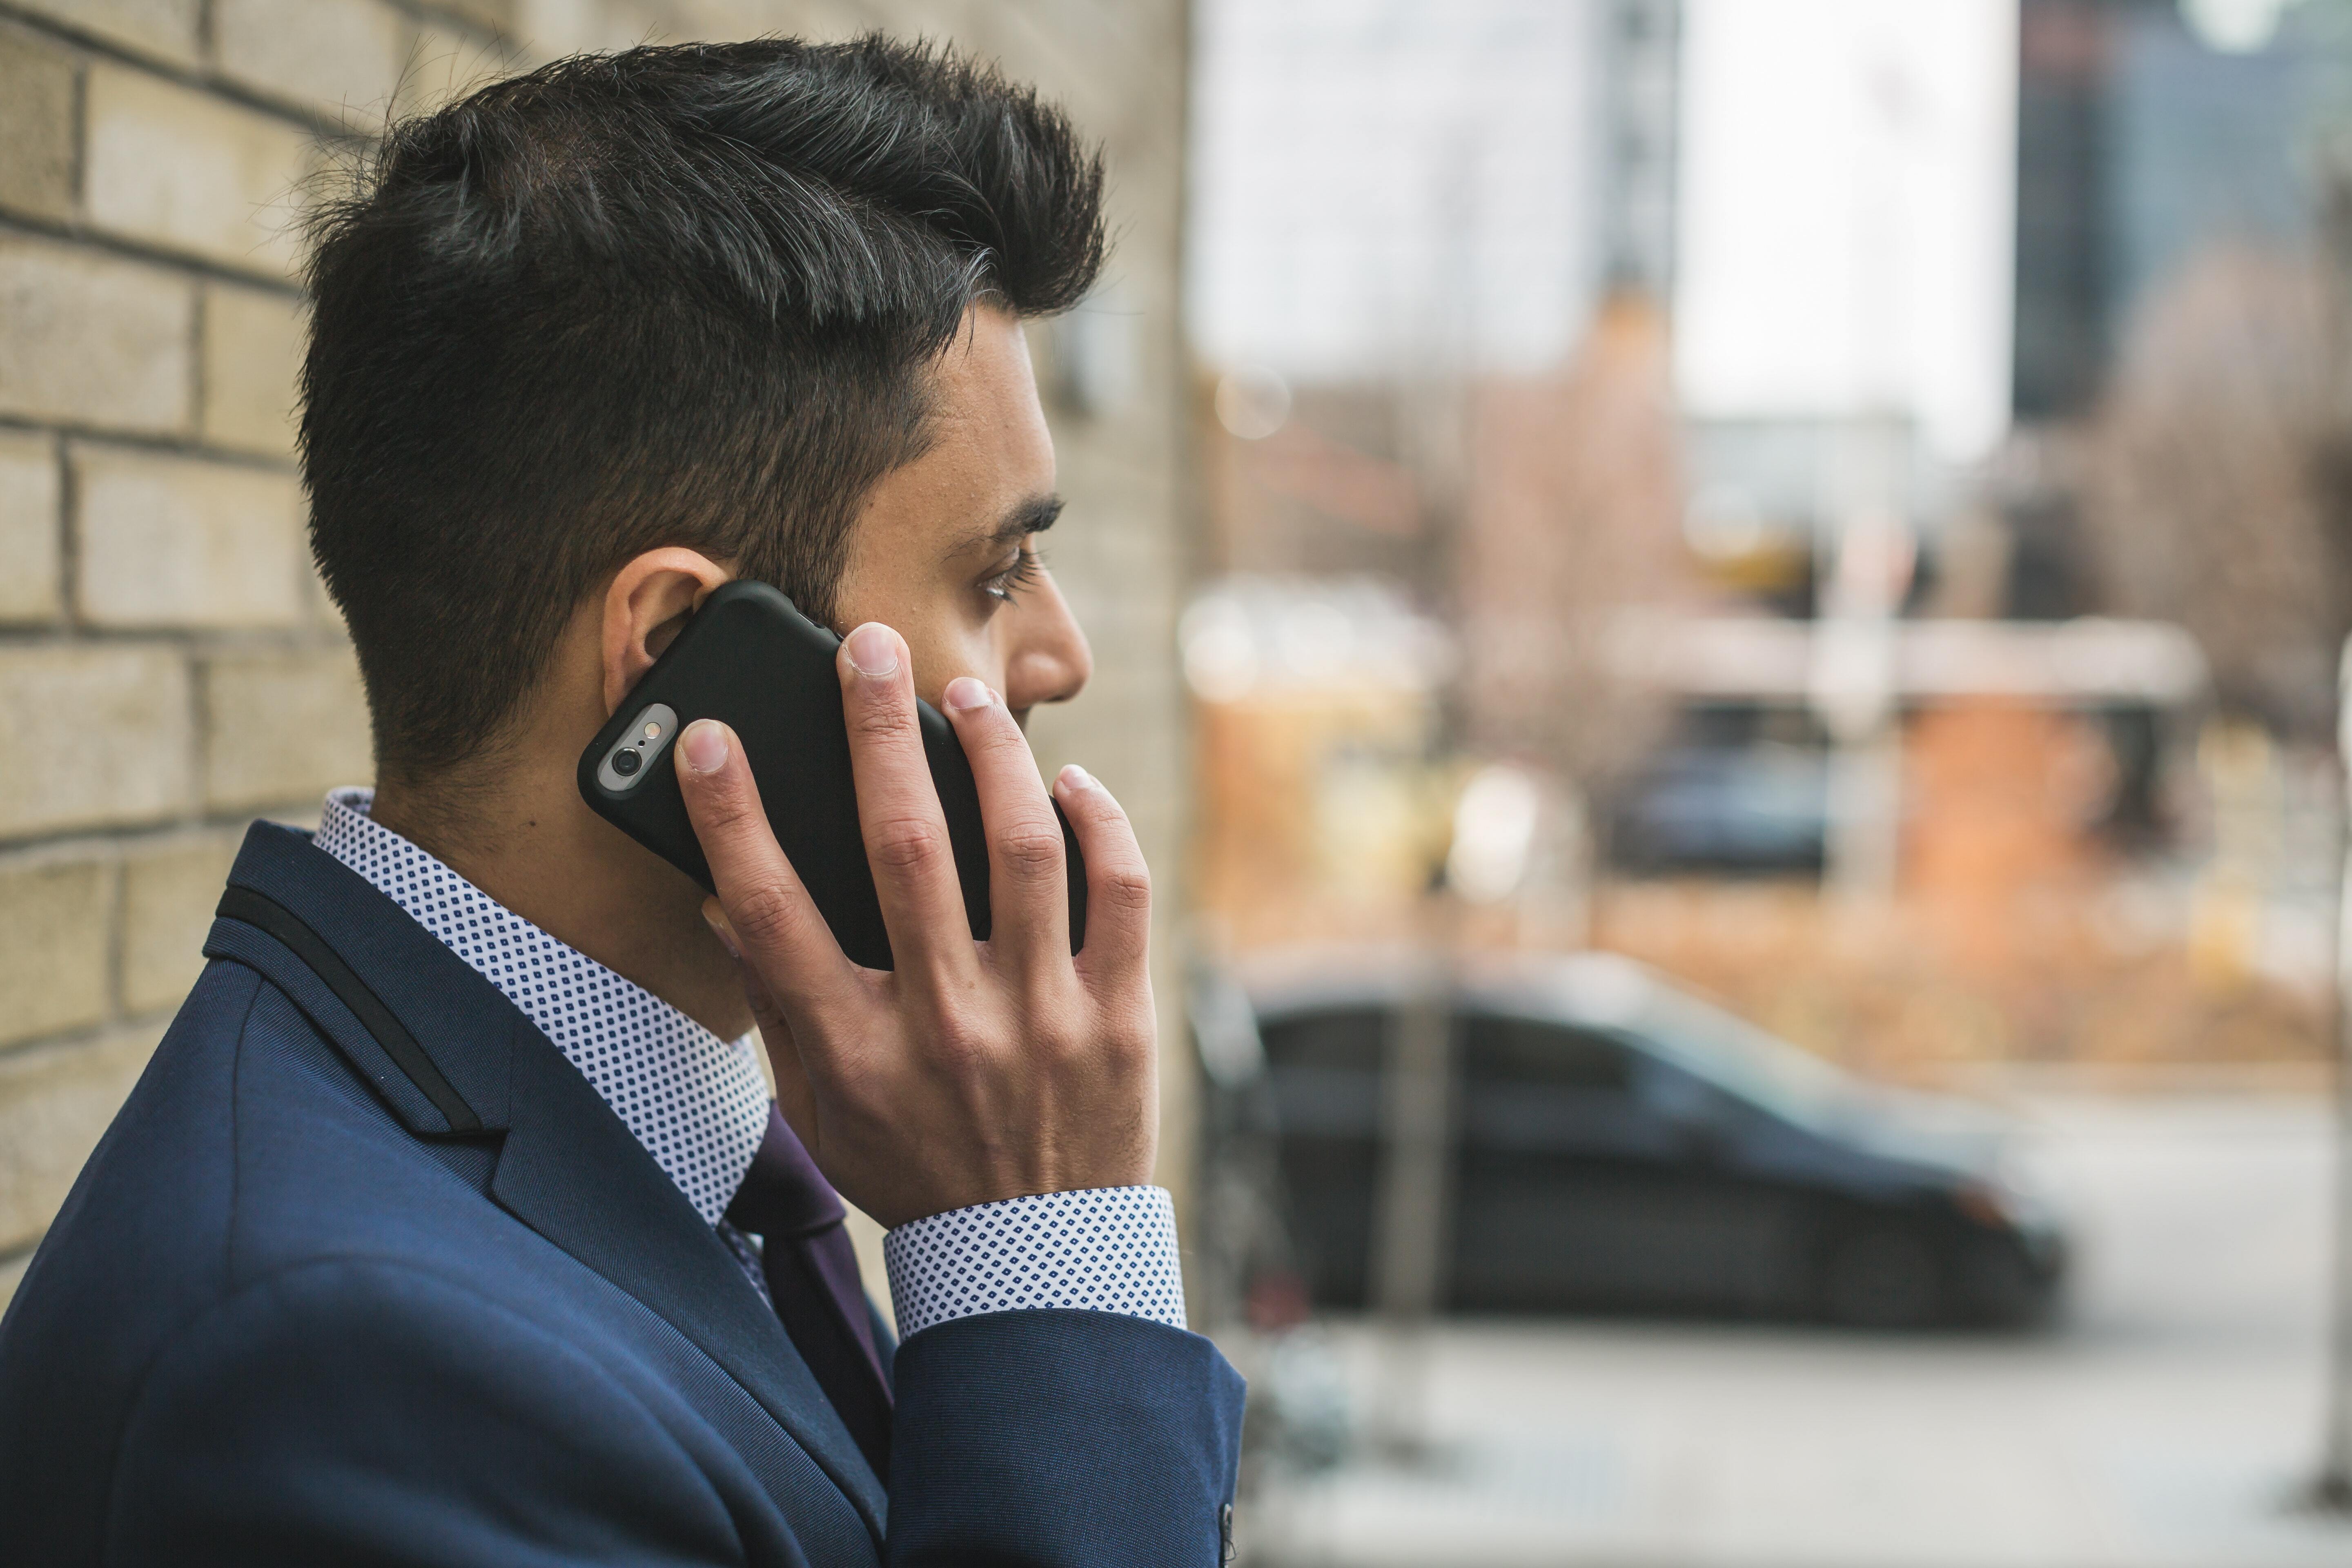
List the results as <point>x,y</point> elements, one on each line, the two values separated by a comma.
<point>676,296</point>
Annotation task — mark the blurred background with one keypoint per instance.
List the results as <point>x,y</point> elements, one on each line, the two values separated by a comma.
<point>1766,688</point>
<point>1723,620</point>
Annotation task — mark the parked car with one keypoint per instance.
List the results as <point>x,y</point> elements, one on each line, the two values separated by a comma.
<point>1762,807</point>
<point>1622,1145</point>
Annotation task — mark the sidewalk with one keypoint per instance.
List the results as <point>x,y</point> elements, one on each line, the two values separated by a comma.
<point>2167,1423</point>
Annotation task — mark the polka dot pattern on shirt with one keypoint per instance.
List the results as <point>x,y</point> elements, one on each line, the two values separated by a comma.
<point>696,1103</point>
<point>699,1106</point>
<point>1106,1250</point>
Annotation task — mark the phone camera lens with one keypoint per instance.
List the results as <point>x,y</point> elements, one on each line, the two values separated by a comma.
<point>627,761</point>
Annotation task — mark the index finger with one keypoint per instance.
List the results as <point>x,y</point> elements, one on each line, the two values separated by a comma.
<point>783,937</point>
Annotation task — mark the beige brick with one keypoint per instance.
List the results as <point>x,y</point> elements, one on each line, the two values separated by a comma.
<point>29,527</point>
<point>180,541</point>
<point>283,727</point>
<point>253,354</point>
<point>56,1103</point>
<point>497,16</point>
<point>98,733</point>
<point>93,339</point>
<point>164,29</point>
<point>548,31</point>
<point>341,57</point>
<point>443,67</point>
<point>12,1274</point>
<point>54,913</point>
<point>183,169</point>
<point>323,612</point>
<point>304,816</point>
<point>37,125</point>
<point>168,893</point>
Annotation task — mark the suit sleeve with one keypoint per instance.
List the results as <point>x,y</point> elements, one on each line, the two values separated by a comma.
<point>1052,1437</point>
<point>362,1415</point>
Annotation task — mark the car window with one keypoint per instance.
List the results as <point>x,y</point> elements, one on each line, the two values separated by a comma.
<point>1524,1051</point>
<point>1342,1038</point>
<point>1741,1059</point>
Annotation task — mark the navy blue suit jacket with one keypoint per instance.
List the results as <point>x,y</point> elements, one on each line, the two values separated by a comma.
<point>365,1272</point>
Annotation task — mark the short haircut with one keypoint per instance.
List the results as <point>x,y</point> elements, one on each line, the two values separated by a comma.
<point>682,295</point>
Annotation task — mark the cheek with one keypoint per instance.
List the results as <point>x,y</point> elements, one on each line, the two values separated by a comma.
<point>943,642</point>
<point>945,645</point>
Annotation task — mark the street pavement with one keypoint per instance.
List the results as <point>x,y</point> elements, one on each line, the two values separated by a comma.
<point>2167,1421</point>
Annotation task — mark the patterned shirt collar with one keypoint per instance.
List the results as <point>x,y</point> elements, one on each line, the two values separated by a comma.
<point>696,1103</point>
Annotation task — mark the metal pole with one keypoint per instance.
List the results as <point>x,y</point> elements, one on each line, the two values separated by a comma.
<point>1417,1123</point>
<point>1854,678</point>
<point>2334,1488</point>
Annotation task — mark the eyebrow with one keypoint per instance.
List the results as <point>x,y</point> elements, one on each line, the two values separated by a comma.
<point>1034,515</point>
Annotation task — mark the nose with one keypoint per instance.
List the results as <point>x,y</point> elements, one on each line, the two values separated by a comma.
<point>1047,660</point>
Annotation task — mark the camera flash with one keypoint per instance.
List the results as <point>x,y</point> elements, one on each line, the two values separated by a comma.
<point>653,732</point>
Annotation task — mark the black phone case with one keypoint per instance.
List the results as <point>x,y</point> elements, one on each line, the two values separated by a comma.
<point>750,658</point>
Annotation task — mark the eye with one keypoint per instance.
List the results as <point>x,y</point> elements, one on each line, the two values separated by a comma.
<point>1005,586</point>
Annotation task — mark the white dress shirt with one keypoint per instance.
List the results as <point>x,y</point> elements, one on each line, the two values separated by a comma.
<point>699,1106</point>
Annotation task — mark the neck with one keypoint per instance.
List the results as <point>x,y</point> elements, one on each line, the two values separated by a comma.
<point>521,833</point>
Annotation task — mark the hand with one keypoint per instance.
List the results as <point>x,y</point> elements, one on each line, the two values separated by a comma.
<point>973,1071</point>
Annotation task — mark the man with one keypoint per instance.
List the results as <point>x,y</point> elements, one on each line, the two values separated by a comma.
<point>453,1222</point>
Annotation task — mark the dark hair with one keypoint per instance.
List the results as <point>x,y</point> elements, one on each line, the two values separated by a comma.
<point>676,296</point>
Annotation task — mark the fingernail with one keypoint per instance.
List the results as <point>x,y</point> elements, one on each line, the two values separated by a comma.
<point>1075,777</point>
<point>964,694</point>
<point>873,651</point>
<point>721,929</point>
<point>704,746</point>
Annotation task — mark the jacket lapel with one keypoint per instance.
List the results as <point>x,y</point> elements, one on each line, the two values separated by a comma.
<point>567,1167</point>
<point>573,1173</point>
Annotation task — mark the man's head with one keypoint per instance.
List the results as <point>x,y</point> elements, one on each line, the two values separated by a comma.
<point>754,306</point>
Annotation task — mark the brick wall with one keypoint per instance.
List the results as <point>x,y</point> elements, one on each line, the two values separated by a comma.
<point>169,667</point>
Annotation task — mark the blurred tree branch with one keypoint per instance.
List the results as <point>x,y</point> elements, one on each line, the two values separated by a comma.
<point>2217,478</point>
<point>1574,517</point>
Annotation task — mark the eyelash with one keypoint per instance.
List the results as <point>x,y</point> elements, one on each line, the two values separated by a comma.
<point>1006,586</point>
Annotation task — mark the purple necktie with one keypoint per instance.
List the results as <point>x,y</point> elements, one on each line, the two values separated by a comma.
<point>812,1275</point>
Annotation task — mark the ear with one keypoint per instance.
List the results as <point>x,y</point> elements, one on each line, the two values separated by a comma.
<point>645,605</point>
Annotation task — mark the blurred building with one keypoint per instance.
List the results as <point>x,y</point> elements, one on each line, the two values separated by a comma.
<point>2152,141</point>
<point>2070,833</point>
<point>1804,648</point>
<point>169,668</point>
<point>1640,69</point>
<point>2139,143</point>
<point>1431,251</point>
<point>1393,190</point>
<point>1767,494</point>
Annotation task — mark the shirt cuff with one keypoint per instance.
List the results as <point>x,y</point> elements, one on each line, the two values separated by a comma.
<point>1103,1250</point>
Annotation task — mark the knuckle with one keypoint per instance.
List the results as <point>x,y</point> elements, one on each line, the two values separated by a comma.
<point>762,914</point>
<point>996,732</point>
<point>1060,1053</point>
<point>1113,1048</point>
<point>1030,850</point>
<point>905,843</point>
<point>1056,1043</point>
<point>959,1045</point>
<point>1125,888</point>
<point>1098,807</point>
<point>879,721</point>
<point>1132,1048</point>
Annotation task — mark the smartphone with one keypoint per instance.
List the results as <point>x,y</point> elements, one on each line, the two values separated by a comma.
<point>750,658</point>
